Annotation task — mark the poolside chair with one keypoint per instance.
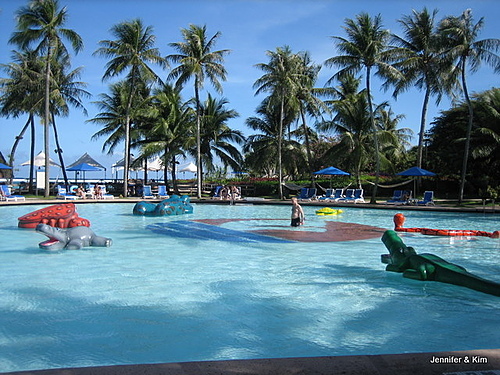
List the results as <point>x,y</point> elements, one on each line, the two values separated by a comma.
<point>146,192</point>
<point>328,195</point>
<point>400,197</point>
<point>337,195</point>
<point>7,196</point>
<point>162,192</point>
<point>217,192</point>
<point>63,194</point>
<point>355,197</point>
<point>307,194</point>
<point>428,199</point>
<point>348,196</point>
<point>105,194</point>
<point>303,195</point>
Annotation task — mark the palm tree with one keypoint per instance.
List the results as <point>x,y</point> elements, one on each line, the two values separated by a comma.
<point>21,94</point>
<point>217,137</point>
<point>131,52</point>
<point>420,60</point>
<point>197,60</point>
<point>460,37</point>
<point>364,47</point>
<point>282,78</point>
<point>42,22</point>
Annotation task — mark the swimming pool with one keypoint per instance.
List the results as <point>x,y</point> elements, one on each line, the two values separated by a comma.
<point>157,297</point>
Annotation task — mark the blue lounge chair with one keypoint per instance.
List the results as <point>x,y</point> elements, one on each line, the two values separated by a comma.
<point>400,197</point>
<point>303,195</point>
<point>162,192</point>
<point>339,194</point>
<point>7,196</point>
<point>307,194</point>
<point>328,195</point>
<point>348,196</point>
<point>63,194</point>
<point>146,192</point>
<point>428,199</point>
<point>217,192</point>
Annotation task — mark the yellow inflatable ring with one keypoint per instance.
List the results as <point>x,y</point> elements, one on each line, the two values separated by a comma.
<point>328,211</point>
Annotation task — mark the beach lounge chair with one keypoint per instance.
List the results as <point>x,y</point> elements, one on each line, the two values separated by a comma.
<point>217,192</point>
<point>400,197</point>
<point>162,192</point>
<point>147,192</point>
<point>328,195</point>
<point>348,196</point>
<point>105,194</point>
<point>355,197</point>
<point>303,194</point>
<point>307,194</point>
<point>339,194</point>
<point>428,199</point>
<point>7,196</point>
<point>63,194</point>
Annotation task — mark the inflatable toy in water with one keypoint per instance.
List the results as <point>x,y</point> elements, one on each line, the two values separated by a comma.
<point>399,220</point>
<point>430,267</point>
<point>71,238</point>
<point>174,205</point>
<point>328,211</point>
<point>62,215</point>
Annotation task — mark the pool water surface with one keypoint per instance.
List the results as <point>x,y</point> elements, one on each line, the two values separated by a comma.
<point>174,289</point>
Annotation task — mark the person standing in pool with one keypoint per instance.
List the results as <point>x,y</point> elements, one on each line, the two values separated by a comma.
<point>297,214</point>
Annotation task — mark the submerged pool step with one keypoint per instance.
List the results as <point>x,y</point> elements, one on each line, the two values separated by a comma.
<point>196,230</point>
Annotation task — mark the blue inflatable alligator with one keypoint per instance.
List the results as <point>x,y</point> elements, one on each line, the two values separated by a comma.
<point>174,205</point>
<point>430,267</point>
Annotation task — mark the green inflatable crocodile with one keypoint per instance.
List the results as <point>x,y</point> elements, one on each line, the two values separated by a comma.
<point>430,267</point>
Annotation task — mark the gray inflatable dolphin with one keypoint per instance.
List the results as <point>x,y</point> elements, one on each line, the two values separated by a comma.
<point>71,238</point>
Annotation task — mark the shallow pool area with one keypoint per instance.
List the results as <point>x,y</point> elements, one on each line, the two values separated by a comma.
<point>180,288</point>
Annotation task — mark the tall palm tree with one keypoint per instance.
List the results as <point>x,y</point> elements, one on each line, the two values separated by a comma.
<point>420,60</point>
<point>364,47</point>
<point>217,138</point>
<point>461,39</point>
<point>282,77</point>
<point>132,51</point>
<point>43,22</point>
<point>197,60</point>
<point>21,94</point>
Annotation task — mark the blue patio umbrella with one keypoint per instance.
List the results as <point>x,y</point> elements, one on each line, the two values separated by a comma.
<point>332,171</point>
<point>416,172</point>
<point>4,166</point>
<point>83,167</point>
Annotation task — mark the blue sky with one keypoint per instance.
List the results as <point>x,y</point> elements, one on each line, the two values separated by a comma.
<point>249,28</point>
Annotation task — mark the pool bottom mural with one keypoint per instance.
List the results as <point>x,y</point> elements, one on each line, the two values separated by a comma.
<point>212,229</point>
<point>430,267</point>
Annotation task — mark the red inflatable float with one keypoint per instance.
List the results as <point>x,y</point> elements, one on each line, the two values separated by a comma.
<point>59,215</point>
<point>399,220</point>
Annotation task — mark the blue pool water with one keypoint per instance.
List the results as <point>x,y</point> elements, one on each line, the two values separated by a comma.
<point>167,292</point>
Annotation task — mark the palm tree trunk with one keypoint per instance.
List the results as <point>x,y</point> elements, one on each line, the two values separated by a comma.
<point>280,144</point>
<point>46,127</point>
<point>174,177</point>
<point>198,140</point>
<point>423,120</point>
<point>467,135</point>
<point>16,143</point>
<point>375,137</point>
<point>32,154</point>
<point>308,146</point>
<point>59,153</point>
<point>145,171</point>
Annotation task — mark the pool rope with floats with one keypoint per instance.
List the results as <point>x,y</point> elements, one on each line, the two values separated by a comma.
<point>399,220</point>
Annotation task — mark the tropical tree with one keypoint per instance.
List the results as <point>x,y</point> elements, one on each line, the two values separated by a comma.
<point>217,138</point>
<point>461,40</point>
<point>132,52</point>
<point>282,79</point>
<point>42,23</point>
<point>21,94</point>
<point>364,47</point>
<point>420,60</point>
<point>197,60</point>
<point>173,129</point>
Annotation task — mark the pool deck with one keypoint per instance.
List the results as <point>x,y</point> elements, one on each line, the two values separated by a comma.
<point>441,205</point>
<point>474,362</point>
